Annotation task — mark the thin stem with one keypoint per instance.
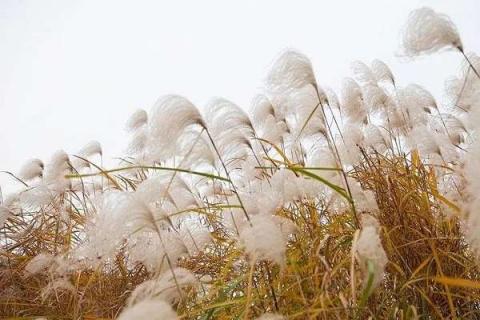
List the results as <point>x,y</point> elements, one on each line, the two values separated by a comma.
<point>469,62</point>
<point>333,148</point>
<point>207,175</point>
<point>228,174</point>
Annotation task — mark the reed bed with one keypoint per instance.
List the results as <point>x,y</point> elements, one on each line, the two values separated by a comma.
<point>309,206</point>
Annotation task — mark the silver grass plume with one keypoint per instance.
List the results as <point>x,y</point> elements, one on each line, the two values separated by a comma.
<point>352,102</point>
<point>152,309</point>
<point>137,120</point>
<point>90,149</point>
<point>163,287</point>
<point>170,116</point>
<point>80,160</point>
<point>427,31</point>
<point>291,71</point>
<point>32,169</point>
<point>55,171</point>
<point>370,251</point>
<point>261,109</point>
<point>363,74</point>
<point>382,72</point>
<point>230,127</point>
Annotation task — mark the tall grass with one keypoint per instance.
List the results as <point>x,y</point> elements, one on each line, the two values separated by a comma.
<point>307,207</point>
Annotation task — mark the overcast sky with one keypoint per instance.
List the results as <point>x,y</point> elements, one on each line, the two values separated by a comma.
<point>73,71</point>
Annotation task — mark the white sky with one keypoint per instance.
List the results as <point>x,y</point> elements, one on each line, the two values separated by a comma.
<point>73,71</point>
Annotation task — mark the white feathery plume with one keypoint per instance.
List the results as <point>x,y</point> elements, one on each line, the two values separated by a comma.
<point>79,164</point>
<point>147,215</point>
<point>222,114</point>
<point>37,196</point>
<point>106,230</point>
<point>248,173</point>
<point>154,188</point>
<point>170,116</point>
<point>397,119</point>
<point>415,102</point>
<point>428,31</point>
<point>79,185</point>
<point>31,169</point>
<point>322,157</point>
<point>352,101</point>
<point>375,98</point>
<point>471,228</point>
<point>143,247</point>
<point>285,184</point>
<point>53,287</point>
<point>90,149</point>
<point>332,98</point>
<point>423,98</point>
<point>464,91</point>
<point>264,239</point>
<point>369,220</point>
<point>287,227</point>
<point>364,199</point>
<point>149,310</point>
<point>195,236</point>
<point>11,200</point>
<point>138,142</point>
<point>449,120</point>
<point>198,150</point>
<point>354,139</point>
<point>260,110</point>
<point>309,117</point>
<point>270,316</point>
<point>5,213</point>
<point>264,198</point>
<point>382,72</point>
<point>427,142</point>
<point>146,247</point>
<point>39,263</point>
<point>456,128</point>
<point>291,71</point>
<point>55,171</point>
<point>470,209</point>
<point>370,250</point>
<point>268,120</point>
<point>164,287</point>
<point>230,127</point>
<point>182,195</point>
<point>363,74</point>
<point>376,138</point>
<point>137,120</point>
<point>273,130</point>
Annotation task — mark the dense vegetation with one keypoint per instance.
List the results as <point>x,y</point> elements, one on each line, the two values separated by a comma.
<point>307,207</point>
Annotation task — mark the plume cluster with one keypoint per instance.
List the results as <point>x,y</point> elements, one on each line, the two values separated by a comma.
<point>308,206</point>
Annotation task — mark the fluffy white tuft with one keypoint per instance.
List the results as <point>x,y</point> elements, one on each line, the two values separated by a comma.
<point>270,316</point>
<point>428,31</point>
<point>292,70</point>
<point>169,118</point>
<point>264,239</point>
<point>381,71</point>
<point>370,250</point>
<point>31,169</point>
<point>164,287</point>
<point>90,149</point>
<point>138,119</point>
<point>149,310</point>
